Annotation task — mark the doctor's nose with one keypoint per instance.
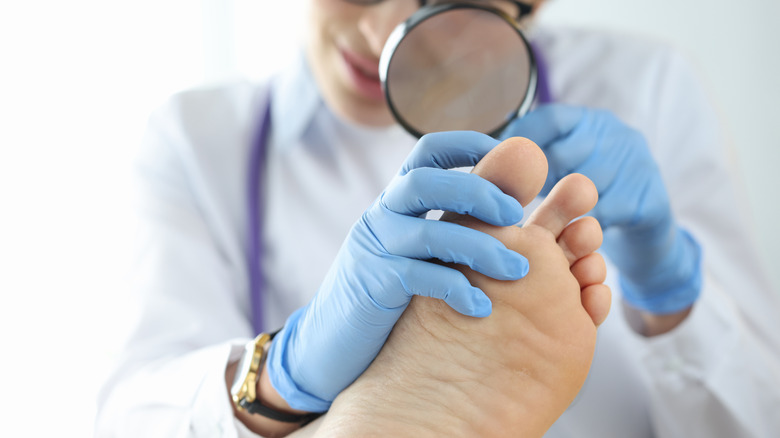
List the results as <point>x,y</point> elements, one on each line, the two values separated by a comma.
<point>378,21</point>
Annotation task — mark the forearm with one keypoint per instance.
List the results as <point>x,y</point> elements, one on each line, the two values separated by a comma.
<point>400,394</point>
<point>374,406</point>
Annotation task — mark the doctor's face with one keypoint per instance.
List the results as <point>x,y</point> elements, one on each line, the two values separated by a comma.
<point>343,47</point>
<point>344,42</point>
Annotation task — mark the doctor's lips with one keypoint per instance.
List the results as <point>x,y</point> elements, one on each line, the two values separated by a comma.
<point>363,74</point>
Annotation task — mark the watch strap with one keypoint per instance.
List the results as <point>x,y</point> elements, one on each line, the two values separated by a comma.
<point>265,411</point>
<point>255,407</point>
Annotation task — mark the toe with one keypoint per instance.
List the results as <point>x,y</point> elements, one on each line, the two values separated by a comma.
<point>580,238</point>
<point>596,300</point>
<point>517,166</point>
<point>573,196</point>
<point>589,270</point>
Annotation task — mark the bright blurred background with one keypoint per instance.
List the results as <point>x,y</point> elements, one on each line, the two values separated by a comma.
<point>79,77</point>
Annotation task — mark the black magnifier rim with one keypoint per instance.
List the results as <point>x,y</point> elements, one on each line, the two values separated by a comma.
<point>422,14</point>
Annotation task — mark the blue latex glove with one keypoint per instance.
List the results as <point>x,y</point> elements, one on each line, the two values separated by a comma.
<point>382,263</point>
<point>659,262</point>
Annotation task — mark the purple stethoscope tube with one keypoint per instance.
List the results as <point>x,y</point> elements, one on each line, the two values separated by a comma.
<point>256,201</point>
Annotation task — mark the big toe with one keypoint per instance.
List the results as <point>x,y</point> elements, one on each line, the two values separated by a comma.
<point>517,166</point>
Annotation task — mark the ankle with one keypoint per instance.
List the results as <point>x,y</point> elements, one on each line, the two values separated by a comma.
<point>376,406</point>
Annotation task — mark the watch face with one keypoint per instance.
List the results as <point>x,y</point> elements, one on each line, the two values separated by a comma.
<point>242,370</point>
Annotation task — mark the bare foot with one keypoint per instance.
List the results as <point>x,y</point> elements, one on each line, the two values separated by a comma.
<point>515,372</point>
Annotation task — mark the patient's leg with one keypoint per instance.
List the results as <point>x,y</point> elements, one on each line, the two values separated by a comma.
<point>510,374</point>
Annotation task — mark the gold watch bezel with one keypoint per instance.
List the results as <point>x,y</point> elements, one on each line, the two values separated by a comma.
<point>244,388</point>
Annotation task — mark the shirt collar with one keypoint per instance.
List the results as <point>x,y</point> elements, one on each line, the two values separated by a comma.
<point>294,100</point>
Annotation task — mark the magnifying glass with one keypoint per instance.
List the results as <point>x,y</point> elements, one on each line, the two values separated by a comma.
<point>457,67</point>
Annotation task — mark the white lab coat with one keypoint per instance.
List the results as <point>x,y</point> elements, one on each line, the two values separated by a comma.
<point>717,375</point>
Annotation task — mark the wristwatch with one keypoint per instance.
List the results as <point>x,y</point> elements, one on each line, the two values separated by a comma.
<point>244,388</point>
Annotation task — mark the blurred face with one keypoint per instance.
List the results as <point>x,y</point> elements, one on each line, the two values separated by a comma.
<point>343,46</point>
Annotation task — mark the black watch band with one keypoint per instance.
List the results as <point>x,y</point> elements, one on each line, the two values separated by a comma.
<point>265,411</point>
<point>255,407</point>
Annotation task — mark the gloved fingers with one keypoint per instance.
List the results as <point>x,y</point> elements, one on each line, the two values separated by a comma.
<point>549,182</point>
<point>426,189</point>
<point>567,153</point>
<point>546,124</point>
<point>447,150</point>
<point>615,208</point>
<point>423,239</point>
<point>576,140</point>
<point>429,279</point>
<point>576,152</point>
<point>553,127</point>
<point>619,150</point>
<point>637,197</point>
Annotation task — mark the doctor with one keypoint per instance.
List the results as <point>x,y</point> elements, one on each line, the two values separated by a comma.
<point>694,351</point>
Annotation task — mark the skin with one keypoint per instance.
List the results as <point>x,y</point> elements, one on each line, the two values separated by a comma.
<point>336,25</point>
<point>510,374</point>
<point>339,25</point>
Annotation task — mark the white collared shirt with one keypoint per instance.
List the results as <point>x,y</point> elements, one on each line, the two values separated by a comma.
<point>316,190</point>
<point>718,374</point>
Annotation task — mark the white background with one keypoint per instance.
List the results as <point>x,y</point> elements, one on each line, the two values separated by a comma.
<point>78,79</point>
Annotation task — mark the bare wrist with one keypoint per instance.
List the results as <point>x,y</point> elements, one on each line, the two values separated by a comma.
<point>270,397</point>
<point>650,324</point>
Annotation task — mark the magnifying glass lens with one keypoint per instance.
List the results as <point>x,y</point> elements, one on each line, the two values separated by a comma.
<point>460,69</point>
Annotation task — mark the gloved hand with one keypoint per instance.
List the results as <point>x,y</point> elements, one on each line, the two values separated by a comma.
<point>659,262</point>
<point>327,344</point>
